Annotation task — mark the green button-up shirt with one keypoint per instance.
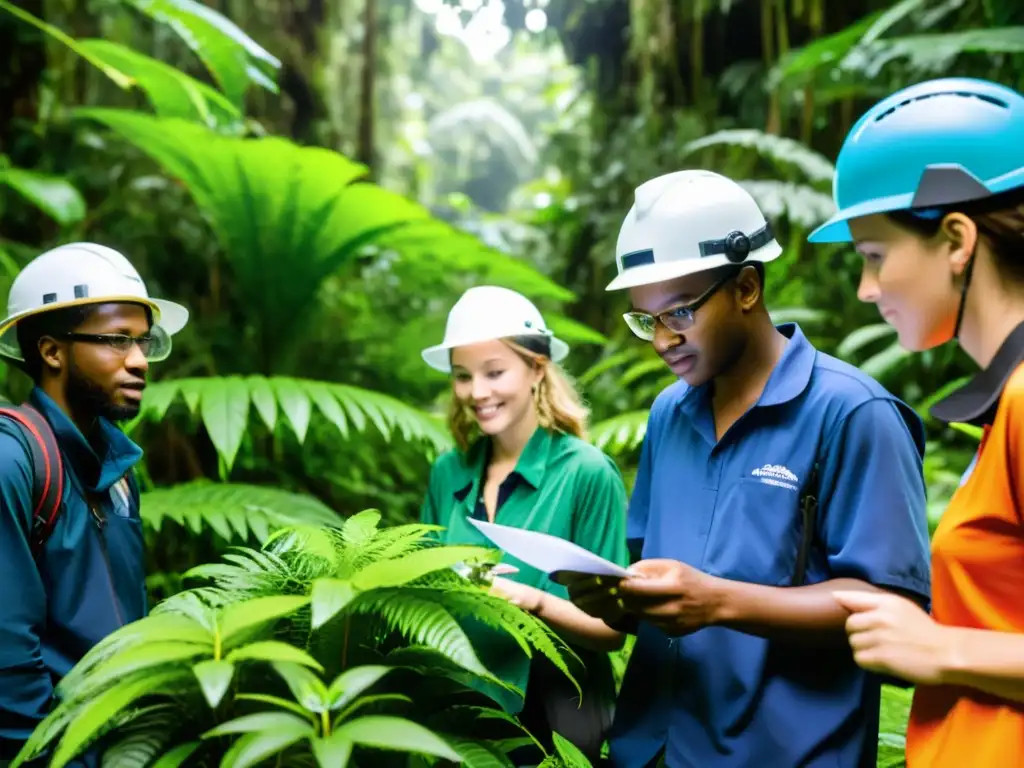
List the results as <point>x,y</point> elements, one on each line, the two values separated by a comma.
<point>567,488</point>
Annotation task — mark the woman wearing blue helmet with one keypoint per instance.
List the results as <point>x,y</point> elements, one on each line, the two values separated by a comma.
<point>929,185</point>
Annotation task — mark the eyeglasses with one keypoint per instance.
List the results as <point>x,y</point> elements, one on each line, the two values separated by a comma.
<point>676,319</point>
<point>121,342</point>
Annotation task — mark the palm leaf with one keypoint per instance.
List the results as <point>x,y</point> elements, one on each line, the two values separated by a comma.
<point>223,404</point>
<point>234,511</point>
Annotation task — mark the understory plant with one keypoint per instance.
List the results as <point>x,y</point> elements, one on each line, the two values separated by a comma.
<point>327,646</point>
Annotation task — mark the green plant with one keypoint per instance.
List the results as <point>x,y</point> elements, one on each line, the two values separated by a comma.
<point>321,647</point>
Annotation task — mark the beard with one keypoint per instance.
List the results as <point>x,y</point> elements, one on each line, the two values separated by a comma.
<point>84,396</point>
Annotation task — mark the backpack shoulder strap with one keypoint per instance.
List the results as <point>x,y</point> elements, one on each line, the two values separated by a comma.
<point>47,470</point>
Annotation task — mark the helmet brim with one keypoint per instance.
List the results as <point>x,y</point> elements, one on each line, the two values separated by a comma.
<point>438,357</point>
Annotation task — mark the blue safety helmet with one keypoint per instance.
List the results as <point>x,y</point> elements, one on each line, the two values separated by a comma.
<point>929,146</point>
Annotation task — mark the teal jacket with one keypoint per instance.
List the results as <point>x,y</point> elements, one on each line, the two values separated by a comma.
<point>89,579</point>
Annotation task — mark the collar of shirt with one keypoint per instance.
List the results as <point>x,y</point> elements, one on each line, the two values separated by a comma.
<point>788,379</point>
<point>531,466</point>
<point>96,473</point>
<point>976,401</point>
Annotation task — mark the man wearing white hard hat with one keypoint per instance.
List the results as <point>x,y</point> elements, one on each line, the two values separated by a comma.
<point>81,324</point>
<point>522,460</point>
<point>770,474</point>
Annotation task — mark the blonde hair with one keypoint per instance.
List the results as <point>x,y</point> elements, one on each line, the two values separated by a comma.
<point>558,404</point>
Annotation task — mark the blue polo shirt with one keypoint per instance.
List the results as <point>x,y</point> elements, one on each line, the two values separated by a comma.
<point>723,698</point>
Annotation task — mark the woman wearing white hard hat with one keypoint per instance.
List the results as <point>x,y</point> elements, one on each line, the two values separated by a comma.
<point>522,461</point>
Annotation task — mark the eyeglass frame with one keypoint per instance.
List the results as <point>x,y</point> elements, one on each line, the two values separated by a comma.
<point>120,342</point>
<point>689,310</point>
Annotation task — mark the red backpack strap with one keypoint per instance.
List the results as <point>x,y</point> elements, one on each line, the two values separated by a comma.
<point>47,470</point>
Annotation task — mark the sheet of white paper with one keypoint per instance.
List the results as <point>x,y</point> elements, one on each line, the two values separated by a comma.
<point>547,553</point>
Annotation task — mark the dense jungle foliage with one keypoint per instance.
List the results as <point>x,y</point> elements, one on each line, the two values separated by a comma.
<point>318,182</point>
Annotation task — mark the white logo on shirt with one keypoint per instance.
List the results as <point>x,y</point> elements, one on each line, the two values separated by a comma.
<point>777,474</point>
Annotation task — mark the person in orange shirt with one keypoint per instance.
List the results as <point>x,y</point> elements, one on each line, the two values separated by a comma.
<point>930,187</point>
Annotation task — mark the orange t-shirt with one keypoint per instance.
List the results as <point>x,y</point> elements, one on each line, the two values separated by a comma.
<point>978,582</point>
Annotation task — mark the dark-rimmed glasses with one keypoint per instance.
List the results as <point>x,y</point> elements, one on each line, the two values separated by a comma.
<point>676,319</point>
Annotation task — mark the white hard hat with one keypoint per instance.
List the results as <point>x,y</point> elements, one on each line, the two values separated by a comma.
<point>82,273</point>
<point>686,222</point>
<point>488,312</point>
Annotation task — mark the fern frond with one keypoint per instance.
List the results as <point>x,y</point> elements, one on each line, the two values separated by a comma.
<point>621,433</point>
<point>417,615</point>
<point>530,632</point>
<point>235,511</point>
<point>224,404</point>
<point>779,150</point>
<point>798,203</point>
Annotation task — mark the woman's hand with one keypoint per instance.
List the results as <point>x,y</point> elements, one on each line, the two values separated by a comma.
<point>892,635</point>
<point>530,599</point>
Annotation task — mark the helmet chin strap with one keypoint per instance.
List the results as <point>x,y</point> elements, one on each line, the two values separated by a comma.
<point>968,270</point>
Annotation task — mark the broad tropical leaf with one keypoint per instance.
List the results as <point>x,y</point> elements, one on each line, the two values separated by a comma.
<point>234,59</point>
<point>234,511</point>
<point>171,92</point>
<point>53,195</point>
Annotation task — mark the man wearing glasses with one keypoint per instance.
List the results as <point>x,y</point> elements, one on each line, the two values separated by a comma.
<point>81,324</point>
<point>770,475</point>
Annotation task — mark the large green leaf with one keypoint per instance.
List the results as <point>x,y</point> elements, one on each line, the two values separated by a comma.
<point>395,733</point>
<point>54,195</point>
<point>171,92</point>
<point>393,573</point>
<point>95,715</point>
<point>234,59</point>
